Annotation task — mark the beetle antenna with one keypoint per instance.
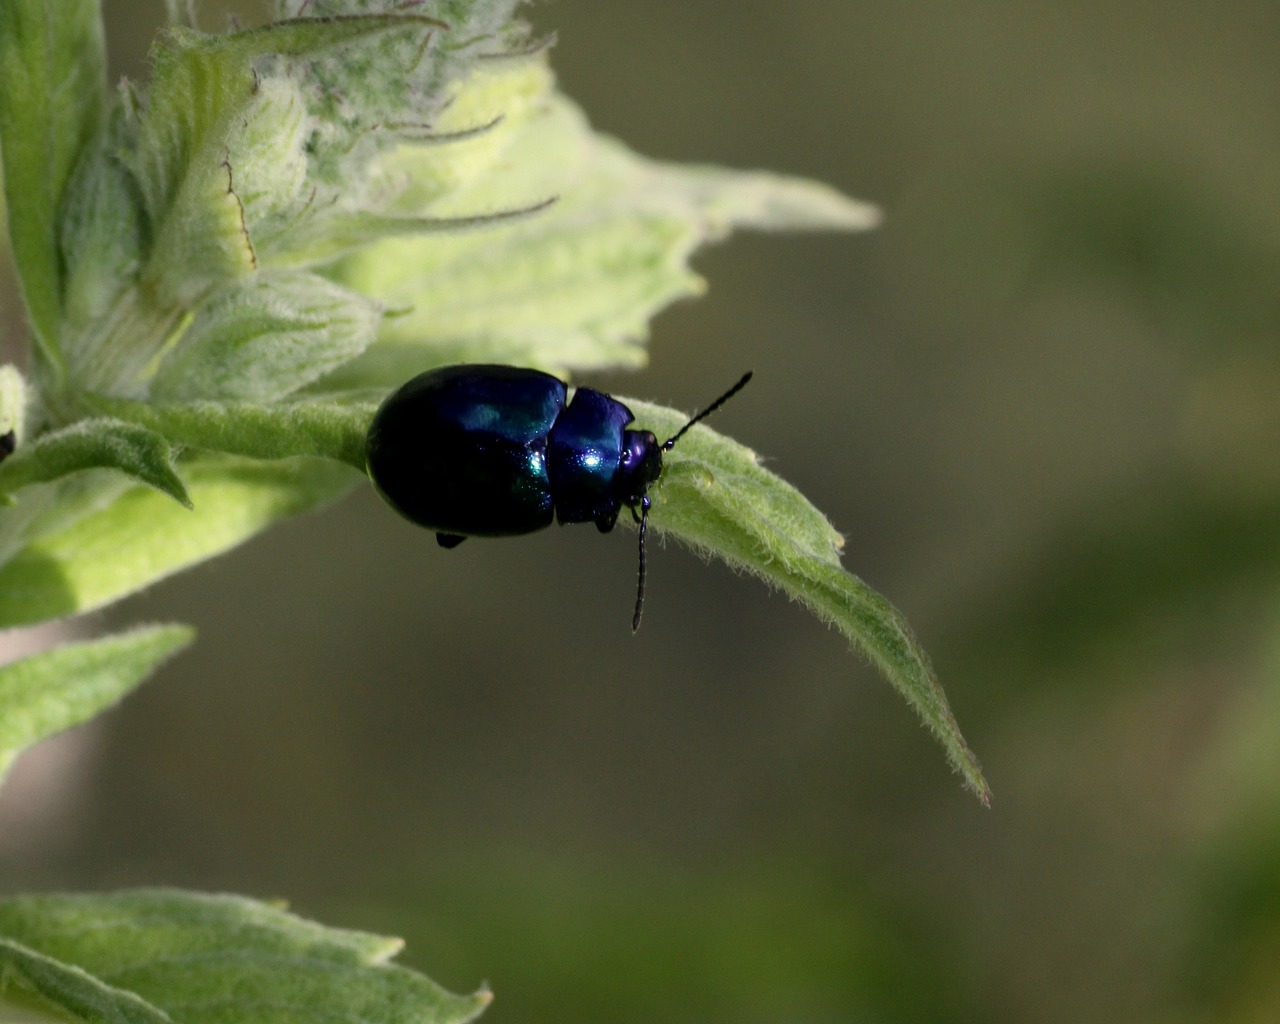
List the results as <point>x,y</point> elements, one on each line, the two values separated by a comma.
<point>670,442</point>
<point>645,503</point>
<point>644,526</point>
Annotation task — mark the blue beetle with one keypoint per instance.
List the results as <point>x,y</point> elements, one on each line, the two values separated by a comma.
<point>494,451</point>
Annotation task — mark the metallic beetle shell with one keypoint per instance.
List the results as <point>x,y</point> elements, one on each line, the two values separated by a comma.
<point>482,450</point>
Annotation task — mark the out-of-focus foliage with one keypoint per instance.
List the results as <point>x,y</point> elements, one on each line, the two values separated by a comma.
<point>173,955</point>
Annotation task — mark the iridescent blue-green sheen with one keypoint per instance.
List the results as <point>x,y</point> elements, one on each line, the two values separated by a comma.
<point>496,450</point>
<point>584,452</point>
<point>463,449</point>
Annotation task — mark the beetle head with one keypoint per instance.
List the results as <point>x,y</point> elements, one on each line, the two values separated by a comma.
<point>641,465</point>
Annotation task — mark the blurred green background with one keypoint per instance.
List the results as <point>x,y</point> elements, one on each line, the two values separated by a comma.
<point>1041,402</point>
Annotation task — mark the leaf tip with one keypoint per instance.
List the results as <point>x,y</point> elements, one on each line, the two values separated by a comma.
<point>974,780</point>
<point>167,481</point>
<point>388,948</point>
<point>172,637</point>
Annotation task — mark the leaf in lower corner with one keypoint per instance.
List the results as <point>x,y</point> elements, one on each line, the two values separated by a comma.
<point>48,692</point>
<point>227,959</point>
<point>35,989</point>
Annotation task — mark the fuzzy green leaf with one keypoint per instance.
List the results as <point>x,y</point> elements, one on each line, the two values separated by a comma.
<point>575,286</point>
<point>229,960</point>
<point>323,239</point>
<point>52,507</point>
<point>489,114</point>
<point>52,95</point>
<point>266,150</point>
<point>37,989</point>
<point>48,692</point>
<point>264,338</point>
<point>328,427</point>
<point>363,97</point>
<point>142,536</point>
<point>95,444</point>
<point>100,237</point>
<point>715,496</point>
<point>213,135</point>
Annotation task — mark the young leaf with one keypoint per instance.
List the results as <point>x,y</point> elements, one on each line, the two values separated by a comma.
<point>267,152</point>
<point>203,90</point>
<point>95,444</point>
<point>262,339</point>
<point>143,536</point>
<point>52,95</point>
<point>100,242</point>
<point>54,690</point>
<point>324,239</point>
<point>229,960</point>
<point>37,989</point>
<point>363,97</point>
<point>575,286</point>
<point>468,139</point>
<point>715,496</point>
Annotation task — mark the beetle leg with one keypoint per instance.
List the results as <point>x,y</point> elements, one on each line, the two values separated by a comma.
<point>449,540</point>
